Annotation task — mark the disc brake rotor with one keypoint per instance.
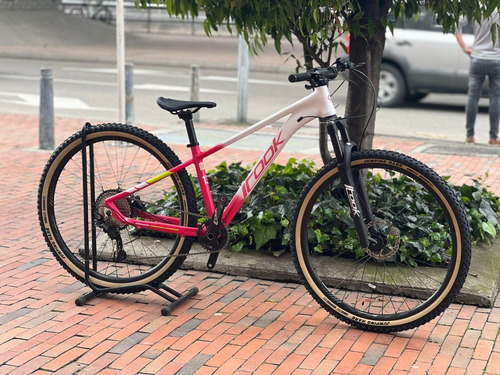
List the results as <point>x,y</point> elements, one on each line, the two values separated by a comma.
<point>388,235</point>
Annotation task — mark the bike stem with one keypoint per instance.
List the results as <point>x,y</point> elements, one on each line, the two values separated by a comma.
<point>354,186</point>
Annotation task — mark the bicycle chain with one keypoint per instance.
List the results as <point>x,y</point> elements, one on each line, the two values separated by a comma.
<point>207,251</point>
<point>192,214</point>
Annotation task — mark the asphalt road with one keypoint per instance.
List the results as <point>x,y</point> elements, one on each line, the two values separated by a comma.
<point>87,90</point>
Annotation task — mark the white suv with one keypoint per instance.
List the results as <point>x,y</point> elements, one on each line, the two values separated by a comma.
<point>419,59</point>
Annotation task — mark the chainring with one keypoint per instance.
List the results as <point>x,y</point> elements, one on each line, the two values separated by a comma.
<point>213,237</point>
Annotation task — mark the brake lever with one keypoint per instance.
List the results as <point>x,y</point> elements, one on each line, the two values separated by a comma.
<point>343,65</point>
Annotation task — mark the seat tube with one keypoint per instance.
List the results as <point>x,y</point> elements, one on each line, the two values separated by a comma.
<point>203,180</point>
<point>193,145</point>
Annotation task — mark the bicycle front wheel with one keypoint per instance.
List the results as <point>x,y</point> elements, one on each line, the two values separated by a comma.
<point>122,157</point>
<point>420,222</point>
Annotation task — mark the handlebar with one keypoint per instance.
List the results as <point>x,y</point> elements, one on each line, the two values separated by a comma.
<point>321,76</point>
<point>299,77</point>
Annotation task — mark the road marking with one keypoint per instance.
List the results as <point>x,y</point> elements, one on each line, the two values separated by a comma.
<point>158,73</point>
<point>59,80</point>
<point>142,72</point>
<point>60,102</point>
<point>145,86</point>
<point>157,87</point>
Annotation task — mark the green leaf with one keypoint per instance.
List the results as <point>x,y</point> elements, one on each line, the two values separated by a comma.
<point>359,252</point>
<point>264,234</point>
<point>316,15</point>
<point>321,237</point>
<point>436,258</point>
<point>239,246</point>
<point>206,27</point>
<point>489,228</point>
<point>486,210</point>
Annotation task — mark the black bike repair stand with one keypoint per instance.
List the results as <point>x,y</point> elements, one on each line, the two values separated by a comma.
<point>175,298</point>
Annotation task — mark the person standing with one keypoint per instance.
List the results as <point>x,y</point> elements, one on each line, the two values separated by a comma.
<point>485,62</point>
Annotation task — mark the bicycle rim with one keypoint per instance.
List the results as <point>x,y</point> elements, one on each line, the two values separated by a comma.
<point>123,156</point>
<point>423,264</point>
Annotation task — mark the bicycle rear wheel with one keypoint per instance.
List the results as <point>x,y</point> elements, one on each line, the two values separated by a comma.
<point>425,259</point>
<point>123,157</point>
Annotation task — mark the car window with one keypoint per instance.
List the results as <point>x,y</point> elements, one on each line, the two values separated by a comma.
<point>423,21</point>
<point>426,21</point>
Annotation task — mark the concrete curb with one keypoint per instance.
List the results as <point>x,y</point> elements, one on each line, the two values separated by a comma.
<point>481,286</point>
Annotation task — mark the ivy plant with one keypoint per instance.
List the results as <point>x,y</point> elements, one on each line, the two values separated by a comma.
<point>263,221</point>
<point>482,210</point>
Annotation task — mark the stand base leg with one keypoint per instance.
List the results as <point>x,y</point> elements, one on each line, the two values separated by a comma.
<point>175,301</point>
<point>166,310</point>
<point>80,301</point>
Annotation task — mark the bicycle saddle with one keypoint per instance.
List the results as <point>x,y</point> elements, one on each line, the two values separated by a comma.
<point>173,105</point>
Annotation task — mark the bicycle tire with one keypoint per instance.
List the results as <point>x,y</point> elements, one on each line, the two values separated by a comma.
<point>382,291</point>
<point>103,14</point>
<point>124,156</point>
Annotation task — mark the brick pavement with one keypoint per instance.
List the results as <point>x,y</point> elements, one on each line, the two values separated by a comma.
<point>235,325</point>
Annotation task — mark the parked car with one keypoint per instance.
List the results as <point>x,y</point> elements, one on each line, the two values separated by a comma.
<point>419,59</point>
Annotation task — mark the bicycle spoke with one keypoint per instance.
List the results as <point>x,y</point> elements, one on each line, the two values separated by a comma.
<point>121,158</point>
<point>413,244</point>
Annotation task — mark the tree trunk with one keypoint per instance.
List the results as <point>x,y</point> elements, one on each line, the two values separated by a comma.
<point>308,59</point>
<point>360,96</point>
<point>361,99</point>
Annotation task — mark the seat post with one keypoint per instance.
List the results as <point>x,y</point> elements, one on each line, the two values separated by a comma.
<point>187,116</point>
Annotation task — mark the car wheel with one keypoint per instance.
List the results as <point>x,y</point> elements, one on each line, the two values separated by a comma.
<point>392,86</point>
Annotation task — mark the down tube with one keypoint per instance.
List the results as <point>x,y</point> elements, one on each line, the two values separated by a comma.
<point>266,159</point>
<point>318,104</point>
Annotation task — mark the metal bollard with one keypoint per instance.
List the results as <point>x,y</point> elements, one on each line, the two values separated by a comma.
<point>46,120</point>
<point>129,94</point>
<point>195,88</point>
<point>243,72</point>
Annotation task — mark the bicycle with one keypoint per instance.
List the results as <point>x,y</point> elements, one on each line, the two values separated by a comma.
<point>98,11</point>
<point>139,236</point>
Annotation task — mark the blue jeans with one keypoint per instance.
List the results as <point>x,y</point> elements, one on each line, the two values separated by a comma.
<point>479,69</point>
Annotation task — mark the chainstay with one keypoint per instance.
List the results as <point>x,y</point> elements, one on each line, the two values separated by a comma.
<point>161,234</point>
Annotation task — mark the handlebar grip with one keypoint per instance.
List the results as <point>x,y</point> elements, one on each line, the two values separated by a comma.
<point>299,77</point>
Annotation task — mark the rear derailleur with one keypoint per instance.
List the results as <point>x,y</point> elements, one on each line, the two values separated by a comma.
<point>104,219</point>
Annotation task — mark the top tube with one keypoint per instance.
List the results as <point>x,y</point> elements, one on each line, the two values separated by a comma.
<point>317,104</point>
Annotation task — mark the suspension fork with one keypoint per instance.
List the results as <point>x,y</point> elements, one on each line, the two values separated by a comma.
<point>353,183</point>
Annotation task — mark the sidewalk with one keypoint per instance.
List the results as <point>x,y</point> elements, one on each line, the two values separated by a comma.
<point>235,325</point>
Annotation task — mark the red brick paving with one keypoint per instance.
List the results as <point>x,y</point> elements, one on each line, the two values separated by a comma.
<point>261,328</point>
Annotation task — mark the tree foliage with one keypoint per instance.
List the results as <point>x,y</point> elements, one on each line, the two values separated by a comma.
<point>317,25</point>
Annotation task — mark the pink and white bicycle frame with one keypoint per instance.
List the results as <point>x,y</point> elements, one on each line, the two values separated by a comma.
<point>318,104</point>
